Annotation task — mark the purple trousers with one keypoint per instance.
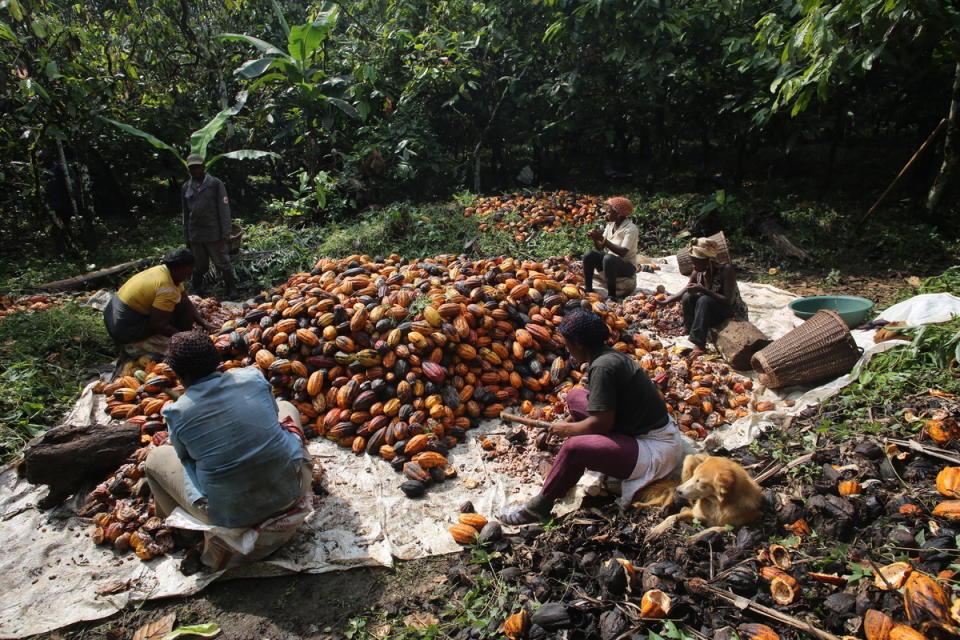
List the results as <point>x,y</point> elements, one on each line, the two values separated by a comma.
<point>613,454</point>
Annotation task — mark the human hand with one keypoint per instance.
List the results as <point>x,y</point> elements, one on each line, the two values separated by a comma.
<point>560,428</point>
<point>696,288</point>
<point>595,234</point>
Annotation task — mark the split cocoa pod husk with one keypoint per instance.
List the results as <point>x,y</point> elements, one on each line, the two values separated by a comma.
<point>892,576</point>
<point>903,632</point>
<point>849,488</point>
<point>654,604</point>
<point>948,482</point>
<point>924,599</point>
<point>756,631</point>
<point>517,625</point>
<point>877,625</point>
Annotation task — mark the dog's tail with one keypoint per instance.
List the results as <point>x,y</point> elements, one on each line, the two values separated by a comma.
<point>657,494</point>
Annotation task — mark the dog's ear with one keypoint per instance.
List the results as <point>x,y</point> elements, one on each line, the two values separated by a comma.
<point>725,480</point>
<point>690,464</point>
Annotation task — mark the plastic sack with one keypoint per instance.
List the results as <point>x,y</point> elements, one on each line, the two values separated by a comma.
<point>928,308</point>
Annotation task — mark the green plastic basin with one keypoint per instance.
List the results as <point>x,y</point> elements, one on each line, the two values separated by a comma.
<point>852,309</point>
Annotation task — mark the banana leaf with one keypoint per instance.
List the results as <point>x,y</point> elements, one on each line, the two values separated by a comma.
<point>242,154</point>
<point>200,139</point>
<point>158,143</point>
<point>265,47</point>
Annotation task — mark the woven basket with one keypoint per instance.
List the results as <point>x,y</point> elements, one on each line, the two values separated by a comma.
<point>723,255</point>
<point>236,238</point>
<point>819,349</point>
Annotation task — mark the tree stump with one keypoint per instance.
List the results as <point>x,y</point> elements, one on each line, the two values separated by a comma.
<point>738,340</point>
<point>66,456</point>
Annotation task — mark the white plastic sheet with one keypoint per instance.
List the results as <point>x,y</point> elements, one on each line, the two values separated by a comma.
<point>364,520</point>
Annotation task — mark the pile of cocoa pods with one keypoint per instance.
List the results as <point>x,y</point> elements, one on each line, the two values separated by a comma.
<point>121,506</point>
<point>525,215</point>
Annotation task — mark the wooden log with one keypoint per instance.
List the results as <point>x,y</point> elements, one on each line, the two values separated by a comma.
<point>738,340</point>
<point>778,236</point>
<point>91,278</point>
<point>66,456</point>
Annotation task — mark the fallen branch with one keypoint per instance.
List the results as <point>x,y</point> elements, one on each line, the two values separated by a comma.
<point>780,468</point>
<point>86,280</point>
<point>933,452</point>
<point>699,586</point>
<point>777,235</point>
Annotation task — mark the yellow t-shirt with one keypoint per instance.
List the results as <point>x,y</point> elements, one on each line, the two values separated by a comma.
<point>151,288</point>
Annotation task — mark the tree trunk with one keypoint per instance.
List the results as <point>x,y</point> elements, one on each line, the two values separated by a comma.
<point>950,150</point>
<point>66,456</point>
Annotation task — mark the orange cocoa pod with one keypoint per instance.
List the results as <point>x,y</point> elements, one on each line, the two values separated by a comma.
<point>463,533</point>
<point>475,520</point>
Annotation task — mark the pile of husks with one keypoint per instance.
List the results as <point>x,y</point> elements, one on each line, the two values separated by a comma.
<point>862,542</point>
<point>525,215</point>
<point>10,305</point>
<point>643,314</point>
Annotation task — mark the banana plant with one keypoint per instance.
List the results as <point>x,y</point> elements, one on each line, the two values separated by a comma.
<point>298,66</point>
<point>202,137</point>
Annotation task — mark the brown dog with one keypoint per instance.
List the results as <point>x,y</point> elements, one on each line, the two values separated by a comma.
<point>720,492</point>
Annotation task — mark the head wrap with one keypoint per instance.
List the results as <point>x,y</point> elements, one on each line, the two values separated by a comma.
<point>178,257</point>
<point>621,205</point>
<point>584,327</point>
<point>194,159</point>
<point>192,355</point>
<point>704,249</point>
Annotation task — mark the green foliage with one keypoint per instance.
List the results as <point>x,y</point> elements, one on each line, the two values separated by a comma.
<point>889,378</point>
<point>202,137</point>
<point>946,282</point>
<point>46,359</point>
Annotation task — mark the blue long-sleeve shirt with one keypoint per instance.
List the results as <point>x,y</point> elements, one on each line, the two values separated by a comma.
<point>236,455</point>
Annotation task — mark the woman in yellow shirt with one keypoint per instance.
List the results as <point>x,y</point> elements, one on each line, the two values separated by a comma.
<point>152,305</point>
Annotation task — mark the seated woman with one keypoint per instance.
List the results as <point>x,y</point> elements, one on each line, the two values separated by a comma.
<point>238,456</point>
<point>619,237</point>
<point>152,306</point>
<point>711,295</point>
<point>620,427</point>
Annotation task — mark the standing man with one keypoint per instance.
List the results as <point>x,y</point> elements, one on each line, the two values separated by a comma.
<point>206,224</point>
<point>615,248</point>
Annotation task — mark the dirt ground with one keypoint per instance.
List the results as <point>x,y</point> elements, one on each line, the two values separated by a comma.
<point>311,607</point>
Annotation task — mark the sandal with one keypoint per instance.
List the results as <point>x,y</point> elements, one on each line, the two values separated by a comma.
<point>520,514</point>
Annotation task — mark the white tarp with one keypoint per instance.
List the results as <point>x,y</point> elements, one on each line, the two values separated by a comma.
<point>364,520</point>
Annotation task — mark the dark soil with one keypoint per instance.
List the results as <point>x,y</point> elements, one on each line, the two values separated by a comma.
<point>302,606</point>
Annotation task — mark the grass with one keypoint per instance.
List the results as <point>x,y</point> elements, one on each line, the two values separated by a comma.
<point>45,359</point>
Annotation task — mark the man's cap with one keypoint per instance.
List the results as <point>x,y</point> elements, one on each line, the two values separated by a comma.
<point>178,257</point>
<point>194,159</point>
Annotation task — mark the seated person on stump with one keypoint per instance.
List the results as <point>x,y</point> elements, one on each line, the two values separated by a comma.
<point>620,428</point>
<point>152,306</point>
<point>238,456</point>
<point>619,238</point>
<point>711,295</point>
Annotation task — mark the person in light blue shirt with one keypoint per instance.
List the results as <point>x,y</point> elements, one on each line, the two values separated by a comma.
<point>237,457</point>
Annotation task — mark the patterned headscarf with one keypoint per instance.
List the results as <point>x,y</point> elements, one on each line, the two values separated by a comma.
<point>621,205</point>
<point>704,249</point>
<point>584,327</point>
<point>192,355</point>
